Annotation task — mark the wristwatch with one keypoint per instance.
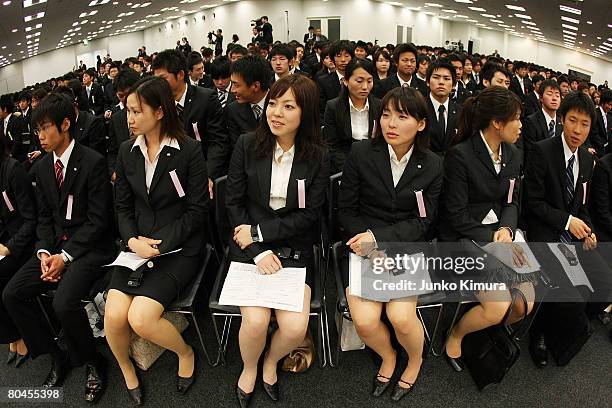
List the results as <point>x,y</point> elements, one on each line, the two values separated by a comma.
<point>66,259</point>
<point>254,233</point>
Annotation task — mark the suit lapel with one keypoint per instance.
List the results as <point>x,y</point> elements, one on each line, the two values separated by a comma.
<point>451,121</point>
<point>166,156</point>
<point>583,169</point>
<point>413,168</point>
<point>560,163</point>
<point>483,154</point>
<point>298,172</point>
<point>189,102</point>
<point>382,162</point>
<point>264,174</point>
<point>49,171</point>
<point>558,127</point>
<point>141,183</point>
<point>72,170</point>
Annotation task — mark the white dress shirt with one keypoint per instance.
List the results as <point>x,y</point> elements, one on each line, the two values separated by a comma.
<point>436,106</point>
<point>605,117</point>
<point>359,120</point>
<point>150,166</point>
<point>491,217</point>
<point>6,122</point>
<point>522,83</point>
<point>194,83</point>
<point>340,77</point>
<point>398,166</point>
<point>183,97</point>
<point>548,118</point>
<point>402,82</point>
<point>567,153</point>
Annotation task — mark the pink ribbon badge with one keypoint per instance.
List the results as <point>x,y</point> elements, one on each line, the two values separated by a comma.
<point>7,201</point>
<point>177,184</point>
<point>69,207</point>
<point>301,185</point>
<point>421,203</point>
<point>511,190</point>
<point>196,131</point>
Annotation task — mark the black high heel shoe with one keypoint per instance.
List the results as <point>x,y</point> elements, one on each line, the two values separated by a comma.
<point>243,398</point>
<point>273,390</point>
<point>12,355</point>
<point>400,392</point>
<point>20,360</point>
<point>380,386</point>
<point>136,393</point>
<point>455,363</point>
<point>184,383</point>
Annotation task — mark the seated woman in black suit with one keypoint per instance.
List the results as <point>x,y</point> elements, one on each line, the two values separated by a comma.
<point>480,201</point>
<point>270,208</point>
<point>379,203</point>
<point>161,202</point>
<point>382,61</point>
<point>351,116</point>
<point>17,235</point>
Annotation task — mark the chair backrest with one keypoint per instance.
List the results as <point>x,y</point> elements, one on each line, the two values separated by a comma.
<point>222,225</point>
<point>187,298</point>
<point>332,202</point>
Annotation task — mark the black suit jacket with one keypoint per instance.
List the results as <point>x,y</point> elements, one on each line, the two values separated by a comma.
<point>90,131</point>
<point>161,213</point>
<point>369,200</point>
<point>18,139</point>
<point>532,104</point>
<point>338,131</point>
<point>535,129</point>
<point>118,132</point>
<point>460,95</point>
<point>240,119</point>
<point>515,87</point>
<point>598,136</point>
<point>86,181</point>
<point>440,142</point>
<point>472,188</point>
<point>392,81</point>
<point>96,99</point>
<point>248,198</point>
<point>18,224</point>
<point>110,96</point>
<point>203,111</point>
<point>205,82</point>
<point>329,88</point>
<point>546,209</point>
<point>600,198</point>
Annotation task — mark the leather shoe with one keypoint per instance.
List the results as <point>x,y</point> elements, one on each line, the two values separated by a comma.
<point>243,398</point>
<point>96,379</point>
<point>12,355</point>
<point>184,383</point>
<point>400,392</point>
<point>455,363</point>
<point>380,386</point>
<point>21,359</point>
<point>136,395</point>
<point>538,351</point>
<point>273,390</point>
<point>57,374</point>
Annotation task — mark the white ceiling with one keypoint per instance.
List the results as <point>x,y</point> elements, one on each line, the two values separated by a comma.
<point>30,27</point>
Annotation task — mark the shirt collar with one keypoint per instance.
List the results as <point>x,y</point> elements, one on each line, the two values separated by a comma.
<point>437,104</point>
<point>192,82</point>
<point>491,154</point>
<point>261,103</point>
<point>402,82</point>
<point>548,118</point>
<point>393,156</point>
<point>339,76</point>
<point>183,97</point>
<point>278,152</point>
<point>142,144</point>
<point>354,109</point>
<point>65,157</point>
<point>566,150</point>
<point>8,117</point>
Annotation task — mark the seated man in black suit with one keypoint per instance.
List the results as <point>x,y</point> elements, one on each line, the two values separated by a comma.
<point>520,83</point>
<point>110,94</point>
<point>222,84</point>
<point>88,129</point>
<point>93,93</point>
<point>545,122</point>
<point>495,75</point>
<point>251,77</point>
<point>74,241</point>
<point>601,131</point>
<point>342,52</point>
<point>118,131</point>
<point>442,113</point>
<point>14,130</point>
<point>557,181</point>
<point>199,110</point>
<point>404,57</point>
<point>459,93</point>
<point>195,69</point>
<point>532,101</point>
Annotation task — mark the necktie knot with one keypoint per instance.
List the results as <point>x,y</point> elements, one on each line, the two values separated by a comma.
<point>570,162</point>
<point>59,176</point>
<point>442,109</point>
<point>257,111</point>
<point>179,110</point>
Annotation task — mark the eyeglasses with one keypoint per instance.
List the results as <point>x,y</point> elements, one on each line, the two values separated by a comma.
<point>44,128</point>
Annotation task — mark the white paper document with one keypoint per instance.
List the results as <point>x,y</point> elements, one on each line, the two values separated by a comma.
<point>133,261</point>
<point>506,252</point>
<point>567,256</point>
<point>246,286</point>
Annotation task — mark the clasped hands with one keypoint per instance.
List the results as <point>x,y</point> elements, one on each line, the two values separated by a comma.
<point>267,265</point>
<point>144,247</point>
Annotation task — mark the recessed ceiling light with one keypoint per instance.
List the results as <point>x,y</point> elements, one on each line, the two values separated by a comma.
<point>571,27</point>
<point>433,4</point>
<point>571,20</point>
<point>449,11</point>
<point>489,15</point>
<point>523,16</point>
<point>34,16</point>
<point>517,8</point>
<point>570,10</point>
<point>464,1</point>
<point>14,30</point>
<point>477,9</point>
<point>531,23</point>
<point>6,3</point>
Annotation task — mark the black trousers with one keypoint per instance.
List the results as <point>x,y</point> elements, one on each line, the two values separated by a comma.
<point>8,267</point>
<point>20,300</point>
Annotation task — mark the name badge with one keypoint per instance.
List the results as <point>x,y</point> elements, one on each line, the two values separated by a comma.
<point>8,203</point>
<point>511,190</point>
<point>421,203</point>
<point>93,99</point>
<point>196,132</point>
<point>177,184</point>
<point>301,186</point>
<point>69,207</point>
<point>584,192</point>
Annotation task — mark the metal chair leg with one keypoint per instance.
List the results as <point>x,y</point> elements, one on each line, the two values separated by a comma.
<point>197,327</point>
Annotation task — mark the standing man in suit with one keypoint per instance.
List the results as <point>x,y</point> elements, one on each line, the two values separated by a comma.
<point>118,131</point>
<point>199,110</point>
<point>14,130</point>
<point>404,57</point>
<point>266,30</point>
<point>195,68</point>
<point>220,75</point>
<point>544,123</point>
<point>341,52</point>
<point>476,75</point>
<point>25,99</point>
<point>442,112</point>
<point>558,178</point>
<point>74,241</point>
<point>601,131</point>
<point>110,94</point>
<point>88,129</point>
<point>532,101</point>
<point>250,83</point>
<point>459,93</point>
<point>93,93</point>
<point>310,35</point>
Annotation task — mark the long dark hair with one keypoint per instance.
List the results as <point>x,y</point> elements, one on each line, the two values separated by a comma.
<point>493,103</point>
<point>409,101</point>
<point>343,110</point>
<point>308,139</point>
<point>156,93</point>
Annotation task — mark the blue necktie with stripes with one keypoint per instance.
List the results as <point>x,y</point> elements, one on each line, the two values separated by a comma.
<point>566,236</point>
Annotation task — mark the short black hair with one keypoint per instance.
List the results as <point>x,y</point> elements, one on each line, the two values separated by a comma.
<point>606,97</point>
<point>537,78</point>
<point>548,83</point>
<point>220,68</point>
<point>402,48</point>
<point>361,44</point>
<point>421,58</point>
<point>55,107</point>
<point>113,65</point>
<point>6,103</point>
<point>194,59</point>
<point>138,62</point>
<point>457,57</point>
<point>441,63</point>
<point>490,68</point>
<point>253,68</point>
<point>91,72</point>
<point>284,50</point>
<point>520,64</point>
<point>171,60</point>
<point>581,102</point>
<point>25,96</point>
<point>238,49</point>
<point>125,79</point>
<point>563,78</point>
<point>339,46</point>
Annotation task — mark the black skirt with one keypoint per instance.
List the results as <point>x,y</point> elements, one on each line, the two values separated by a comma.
<point>166,281</point>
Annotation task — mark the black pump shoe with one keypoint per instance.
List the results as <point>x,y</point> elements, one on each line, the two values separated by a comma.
<point>273,390</point>
<point>380,386</point>
<point>400,392</point>
<point>455,363</point>
<point>12,355</point>
<point>20,360</point>
<point>243,398</point>
<point>183,384</point>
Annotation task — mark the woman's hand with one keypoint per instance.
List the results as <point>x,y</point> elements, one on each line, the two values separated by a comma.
<point>269,264</point>
<point>4,251</point>
<point>242,236</point>
<point>519,258</point>
<point>144,247</point>
<point>362,244</point>
<point>502,235</point>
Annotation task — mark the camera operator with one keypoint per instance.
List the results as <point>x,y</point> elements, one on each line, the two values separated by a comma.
<point>218,41</point>
<point>266,30</point>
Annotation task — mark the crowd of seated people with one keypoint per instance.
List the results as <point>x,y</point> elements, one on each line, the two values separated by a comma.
<point>431,145</point>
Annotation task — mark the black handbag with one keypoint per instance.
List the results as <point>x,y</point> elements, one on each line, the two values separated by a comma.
<point>488,354</point>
